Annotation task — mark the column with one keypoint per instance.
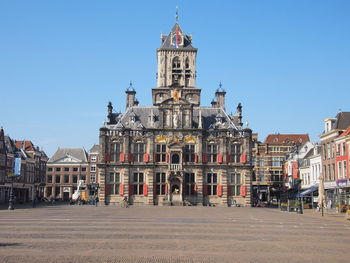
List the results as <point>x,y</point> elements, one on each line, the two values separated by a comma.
<point>150,182</point>
<point>199,183</point>
<point>102,188</point>
<point>248,183</point>
<point>224,187</point>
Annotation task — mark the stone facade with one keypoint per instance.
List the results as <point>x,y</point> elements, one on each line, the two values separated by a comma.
<point>175,152</point>
<point>269,157</point>
<point>64,170</point>
<point>31,180</point>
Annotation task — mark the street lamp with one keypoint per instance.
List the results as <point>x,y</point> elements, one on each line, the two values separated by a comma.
<point>11,200</point>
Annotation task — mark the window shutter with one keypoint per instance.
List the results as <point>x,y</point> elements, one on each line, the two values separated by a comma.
<point>228,158</point>
<point>166,157</point>
<point>196,158</point>
<point>122,157</point>
<point>121,189</point>
<point>243,158</point>
<point>131,157</point>
<point>131,189</point>
<point>219,190</point>
<point>205,189</point>
<point>154,157</point>
<point>204,160</point>
<point>229,190</point>
<point>146,158</point>
<point>220,157</point>
<point>145,189</point>
<point>107,157</point>
<point>243,190</point>
<point>106,189</point>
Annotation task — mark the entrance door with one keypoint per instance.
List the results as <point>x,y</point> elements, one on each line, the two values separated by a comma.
<point>176,192</point>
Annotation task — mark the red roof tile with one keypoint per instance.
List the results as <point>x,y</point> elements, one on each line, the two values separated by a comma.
<point>346,132</point>
<point>25,145</point>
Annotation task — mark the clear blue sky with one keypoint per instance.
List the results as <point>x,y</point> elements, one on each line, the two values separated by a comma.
<point>287,62</point>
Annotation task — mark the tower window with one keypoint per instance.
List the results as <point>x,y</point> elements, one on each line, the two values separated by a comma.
<point>187,63</point>
<point>176,63</point>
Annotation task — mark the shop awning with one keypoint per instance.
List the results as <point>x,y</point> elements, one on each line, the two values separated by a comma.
<point>309,190</point>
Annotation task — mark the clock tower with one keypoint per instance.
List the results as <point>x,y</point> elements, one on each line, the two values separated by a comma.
<point>176,76</point>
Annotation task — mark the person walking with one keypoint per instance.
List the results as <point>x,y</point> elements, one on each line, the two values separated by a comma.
<point>34,202</point>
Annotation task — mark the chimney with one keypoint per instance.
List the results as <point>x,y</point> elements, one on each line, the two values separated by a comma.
<point>130,96</point>
<point>220,97</point>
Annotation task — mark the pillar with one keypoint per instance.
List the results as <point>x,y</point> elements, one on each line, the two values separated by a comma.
<point>199,183</point>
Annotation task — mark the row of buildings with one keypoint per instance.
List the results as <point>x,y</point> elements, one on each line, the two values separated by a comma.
<point>177,151</point>
<point>30,182</point>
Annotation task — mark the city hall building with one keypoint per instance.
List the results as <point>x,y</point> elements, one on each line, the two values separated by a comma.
<point>175,152</point>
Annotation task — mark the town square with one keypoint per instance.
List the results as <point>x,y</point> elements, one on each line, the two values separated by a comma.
<point>174,131</point>
<point>63,233</point>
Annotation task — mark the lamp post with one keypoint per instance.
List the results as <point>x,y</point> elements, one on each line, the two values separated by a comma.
<point>11,200</point>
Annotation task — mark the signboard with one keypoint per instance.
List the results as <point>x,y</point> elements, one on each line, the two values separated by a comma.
<point>342,183</point>
<point>330,185</point>
<point>17,168</point>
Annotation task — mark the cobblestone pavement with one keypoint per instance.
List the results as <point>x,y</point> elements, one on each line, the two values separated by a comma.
<point>63,233</point>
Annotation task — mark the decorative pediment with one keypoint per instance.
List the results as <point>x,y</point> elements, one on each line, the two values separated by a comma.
<point>68,159</point>
<point>119,125</point>
<point>140,126</point>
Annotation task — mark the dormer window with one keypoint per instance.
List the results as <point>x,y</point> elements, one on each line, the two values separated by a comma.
<point>132,117</point>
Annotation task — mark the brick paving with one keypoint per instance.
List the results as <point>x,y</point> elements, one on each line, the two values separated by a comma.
<point>63,233</point>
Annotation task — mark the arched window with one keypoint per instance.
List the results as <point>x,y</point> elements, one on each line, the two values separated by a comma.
<point>176,63</point>
<point>187,63</point>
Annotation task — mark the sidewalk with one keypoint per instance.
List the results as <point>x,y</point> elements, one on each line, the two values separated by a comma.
<point>29,205</point>
<point>328,214</point>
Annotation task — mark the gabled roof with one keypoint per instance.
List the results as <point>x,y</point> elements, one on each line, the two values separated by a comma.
<point>287,139</point>
<point>25,145</point>
<point>76,153</point>
<point>95,148</point>
<point>342,120</point>
<point>166,40</point>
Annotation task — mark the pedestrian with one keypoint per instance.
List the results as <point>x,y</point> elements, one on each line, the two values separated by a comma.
<point>34,202</point>
<point>96,200</point>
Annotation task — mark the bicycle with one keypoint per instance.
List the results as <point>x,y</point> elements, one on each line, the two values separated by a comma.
<point>125,204</point>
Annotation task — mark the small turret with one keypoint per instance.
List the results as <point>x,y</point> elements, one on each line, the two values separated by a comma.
<point>220,97</point>
<point>130,96</point>
<point>239,111</point>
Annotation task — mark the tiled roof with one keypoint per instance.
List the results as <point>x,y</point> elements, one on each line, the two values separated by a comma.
<point>25,145</point>
<point>346,132</point>
<point>287,139</point>
<point>166,40</point>
<point>95,149</point>
<point>342,120</point>
<point>77,153</point>
<point>142,115</point>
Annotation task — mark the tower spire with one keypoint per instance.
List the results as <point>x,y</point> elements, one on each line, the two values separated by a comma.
<point>177,14</point>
